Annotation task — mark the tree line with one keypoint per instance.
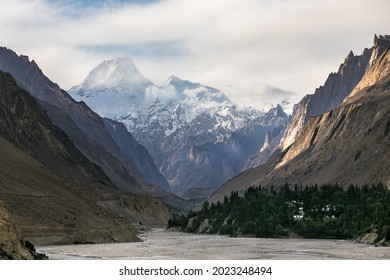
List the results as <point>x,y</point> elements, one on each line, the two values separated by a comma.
<point>326,211</point>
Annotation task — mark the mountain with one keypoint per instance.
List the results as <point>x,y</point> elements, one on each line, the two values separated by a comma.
<point>346,145</point>
<point>196,135</point>
<point>85,128</point>
<point>133,150</point>
<point>53,191</point>
<point>117,77</point>
<point>26,125</point>
<point>327,97</point>
<point>205,155</point>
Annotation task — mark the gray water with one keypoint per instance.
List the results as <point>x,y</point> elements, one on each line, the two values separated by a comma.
<point>159,244</point>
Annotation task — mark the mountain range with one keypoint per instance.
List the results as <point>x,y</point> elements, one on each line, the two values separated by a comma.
<point>196,135</point>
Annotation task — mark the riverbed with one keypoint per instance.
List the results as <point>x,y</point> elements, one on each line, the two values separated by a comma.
<point>165,245</point>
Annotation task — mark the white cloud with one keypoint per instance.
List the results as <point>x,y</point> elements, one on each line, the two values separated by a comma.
<point>165,94</point>
<point>262,96</point>
<point>288,44</point>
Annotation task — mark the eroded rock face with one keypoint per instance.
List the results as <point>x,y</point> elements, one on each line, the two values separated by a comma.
<point>329,96</point>
<point>379,67</point>
<point>12,246</point>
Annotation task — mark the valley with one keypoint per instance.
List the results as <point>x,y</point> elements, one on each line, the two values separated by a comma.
<point>118,153</point>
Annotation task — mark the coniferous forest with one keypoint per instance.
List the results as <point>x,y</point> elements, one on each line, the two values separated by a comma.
<point>326,211</point>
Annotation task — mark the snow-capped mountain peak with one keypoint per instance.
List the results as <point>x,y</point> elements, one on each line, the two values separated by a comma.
<point>118,73</point>
<point>175,81</point>
<point>114,88</point>
<point>197,93</point>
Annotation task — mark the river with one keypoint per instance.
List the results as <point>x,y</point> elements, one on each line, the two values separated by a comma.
<point>160,244</point>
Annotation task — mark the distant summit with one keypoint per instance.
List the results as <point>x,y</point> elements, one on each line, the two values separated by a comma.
<point>112,88</point>
<point>120,73</point>
<point>278,111</point>
<point>179,83</point>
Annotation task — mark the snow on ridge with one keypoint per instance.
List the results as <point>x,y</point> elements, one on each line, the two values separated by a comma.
<point>116,89</point>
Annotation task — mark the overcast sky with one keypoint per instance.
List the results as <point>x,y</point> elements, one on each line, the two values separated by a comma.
<point>259,52</point>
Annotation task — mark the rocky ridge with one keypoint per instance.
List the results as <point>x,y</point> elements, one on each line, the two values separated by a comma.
<point>346,145</point>
<point>379,67</point>
<point>329,96</point>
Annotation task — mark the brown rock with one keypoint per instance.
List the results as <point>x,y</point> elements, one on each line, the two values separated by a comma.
<point>11,243</point>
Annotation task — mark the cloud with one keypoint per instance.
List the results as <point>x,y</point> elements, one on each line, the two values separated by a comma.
<point>165,94</point>
<point>151,50</point>
<point>277,92</point>
<point>289,44</point>
<point>76,7</point>
<point>279,96</point>
<point>285,102</point>
<point>262,96</point>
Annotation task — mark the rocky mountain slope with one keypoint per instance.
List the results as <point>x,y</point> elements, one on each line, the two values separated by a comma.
<point>85,128</point>
<point>199,157</point>
<point>379,67</point>
<point>53,191</point>
<point>346,145</point>
<point>26,125</point>
<point>327,97</point>
<point>195,134</point>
